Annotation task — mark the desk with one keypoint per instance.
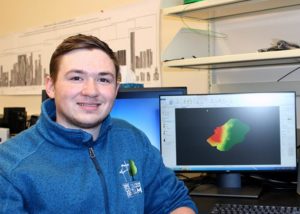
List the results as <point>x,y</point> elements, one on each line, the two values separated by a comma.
<point>267,197</point>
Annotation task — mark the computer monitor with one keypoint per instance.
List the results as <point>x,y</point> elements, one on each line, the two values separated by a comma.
<point>140,107</point>
<point>227,135</point>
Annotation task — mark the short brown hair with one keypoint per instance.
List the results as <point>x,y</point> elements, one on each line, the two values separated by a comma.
<point>76,42</point>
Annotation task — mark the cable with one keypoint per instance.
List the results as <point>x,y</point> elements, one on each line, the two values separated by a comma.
<point>275,183</point>
<point>287,74</point>
<point>207,33</point>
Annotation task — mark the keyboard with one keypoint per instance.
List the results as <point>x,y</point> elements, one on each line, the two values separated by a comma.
<point>243,208</point>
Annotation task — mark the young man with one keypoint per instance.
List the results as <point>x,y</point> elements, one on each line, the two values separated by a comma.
<point>77,159</point>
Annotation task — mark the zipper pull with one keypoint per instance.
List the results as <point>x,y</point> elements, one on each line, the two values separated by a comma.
<point>91,152</point>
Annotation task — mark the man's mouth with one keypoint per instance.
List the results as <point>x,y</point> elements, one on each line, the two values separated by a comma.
<point>89,106</point>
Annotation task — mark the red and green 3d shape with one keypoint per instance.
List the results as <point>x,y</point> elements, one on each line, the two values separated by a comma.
<point>229,134</point>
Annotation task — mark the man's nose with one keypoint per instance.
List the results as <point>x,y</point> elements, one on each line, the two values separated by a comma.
<point>90,88</point>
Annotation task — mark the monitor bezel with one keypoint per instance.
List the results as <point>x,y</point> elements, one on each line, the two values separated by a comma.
<point>246,169</point>
<point>148,92</point>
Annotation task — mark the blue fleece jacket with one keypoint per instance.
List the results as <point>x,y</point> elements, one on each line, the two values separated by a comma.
<point>52,169</point>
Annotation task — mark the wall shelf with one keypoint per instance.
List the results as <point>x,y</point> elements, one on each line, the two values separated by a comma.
<point>207,9</point>
<point>234,18</point>
<point>222,8</point>
<point>239,60</point>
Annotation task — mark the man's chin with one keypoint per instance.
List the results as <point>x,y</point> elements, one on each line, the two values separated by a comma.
<point>87,124</point>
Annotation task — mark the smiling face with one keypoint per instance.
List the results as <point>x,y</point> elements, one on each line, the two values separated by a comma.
<point>85,89</point>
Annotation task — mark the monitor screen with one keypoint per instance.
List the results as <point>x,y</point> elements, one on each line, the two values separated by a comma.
<point>229,132</point>
<point>140,107</point>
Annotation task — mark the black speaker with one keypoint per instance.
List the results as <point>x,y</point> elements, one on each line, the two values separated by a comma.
<point>15,119</point>
<point>33,120</point>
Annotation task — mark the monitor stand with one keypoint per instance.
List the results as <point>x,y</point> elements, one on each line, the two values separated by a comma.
<point>229,185</point>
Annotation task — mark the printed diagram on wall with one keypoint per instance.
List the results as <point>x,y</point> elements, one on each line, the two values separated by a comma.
<point>131,32</point>
<point>21,68</point>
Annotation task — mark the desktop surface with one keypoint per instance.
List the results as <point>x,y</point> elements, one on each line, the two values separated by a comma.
<point>277,190</point>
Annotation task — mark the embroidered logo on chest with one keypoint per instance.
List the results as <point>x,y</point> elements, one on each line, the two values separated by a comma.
<point>131,186</point>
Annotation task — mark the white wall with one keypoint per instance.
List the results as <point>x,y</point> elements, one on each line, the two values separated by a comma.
<point>20,15</point>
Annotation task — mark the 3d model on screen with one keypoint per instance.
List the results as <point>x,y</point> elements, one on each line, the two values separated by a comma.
<point>229,134</point>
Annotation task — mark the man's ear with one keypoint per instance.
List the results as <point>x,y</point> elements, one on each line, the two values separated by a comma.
<point>49,86</point>
<point>117,88</point>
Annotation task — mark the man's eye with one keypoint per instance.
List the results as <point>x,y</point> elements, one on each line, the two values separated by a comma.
<point>76,78</point>
<point>105,80</point>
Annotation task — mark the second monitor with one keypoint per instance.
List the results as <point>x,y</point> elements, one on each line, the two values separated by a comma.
<point>229,134</point>
<point>140,107</point>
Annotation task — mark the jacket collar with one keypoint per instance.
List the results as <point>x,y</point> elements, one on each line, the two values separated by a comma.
<point>65,137</point>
